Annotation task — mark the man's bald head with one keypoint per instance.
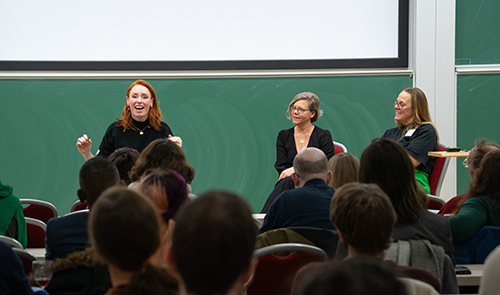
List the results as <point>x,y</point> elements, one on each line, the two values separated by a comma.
<point>311,163</point>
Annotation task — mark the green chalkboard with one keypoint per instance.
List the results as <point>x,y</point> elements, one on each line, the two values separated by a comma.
<point>478,102</point>
<point>477,32</point>
<point>228,126</point>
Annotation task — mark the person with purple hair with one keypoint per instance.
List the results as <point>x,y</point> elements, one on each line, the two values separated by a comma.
<point>167,189</point>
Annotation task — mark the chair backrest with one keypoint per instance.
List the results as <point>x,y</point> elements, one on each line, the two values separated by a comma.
<point>11,242</point>
<point>27,258</point>
<point>325,239</point>
<point>435,203</point>
<point>36,232</point>
<point>78,205</point>
<point>274,275</point>
<point>38,209</point>
<point>438,172</point>
<point>339,148</point>
<point>76,212</point>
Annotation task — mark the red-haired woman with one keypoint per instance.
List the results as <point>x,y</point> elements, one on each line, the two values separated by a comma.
<point>141,123</point>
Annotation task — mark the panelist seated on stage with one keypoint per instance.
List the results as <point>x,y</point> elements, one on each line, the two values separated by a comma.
<point>303,110</point>
<point>415,132</point>
<point>68,234</point>
<point>308,203</point>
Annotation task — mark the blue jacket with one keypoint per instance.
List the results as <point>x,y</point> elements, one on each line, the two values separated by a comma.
<point>304,206</point>
<point>66,235</point>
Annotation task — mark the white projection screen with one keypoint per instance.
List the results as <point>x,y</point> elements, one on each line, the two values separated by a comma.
<point>202,34</point>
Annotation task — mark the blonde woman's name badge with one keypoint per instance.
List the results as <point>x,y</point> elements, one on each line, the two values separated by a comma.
<point>410,132</point>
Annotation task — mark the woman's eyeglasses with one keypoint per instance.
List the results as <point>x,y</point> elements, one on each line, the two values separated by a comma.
<point>397,104</point>
<point>298,110</point>
<point>466,163</point>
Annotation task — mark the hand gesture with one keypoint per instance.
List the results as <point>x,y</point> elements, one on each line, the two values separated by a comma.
<point>84,144</point>
<point>176,139</point>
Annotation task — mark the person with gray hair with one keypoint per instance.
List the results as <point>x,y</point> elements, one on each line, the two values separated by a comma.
<point>308,203</point>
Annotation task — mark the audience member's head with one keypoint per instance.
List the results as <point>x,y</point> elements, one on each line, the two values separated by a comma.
<point>345,169</point>
<point>124,230</point>
<point>96,175</point>
<point>357,276</point>
<point>166,188</point>
<point>387,164</point>
<point>310,163</point>
<point>213,243</point>
<point>124,159</point>
<point>480,149</point>
<point>363,217</point>
<point>162,153</point>
<point>487,180</point>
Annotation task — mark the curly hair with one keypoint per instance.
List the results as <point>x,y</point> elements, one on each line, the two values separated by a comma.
<point>162,153</point>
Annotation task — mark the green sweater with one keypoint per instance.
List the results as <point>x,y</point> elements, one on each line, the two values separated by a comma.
<point>12,223</point>
<point>475,213</point>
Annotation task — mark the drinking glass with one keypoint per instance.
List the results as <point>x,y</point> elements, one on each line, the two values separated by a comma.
<point>42,272</point>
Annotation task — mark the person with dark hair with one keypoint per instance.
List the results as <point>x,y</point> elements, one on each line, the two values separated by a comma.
<point>12,222</point>
<point>307,204</point>
<point>387,164</point>
<point>472,163</point>
<point>345,169</point>
<point>482,205</point>
<point>212,245</point>
<point>415,132</point>
<point>125,231</point>
<point>357,276</point>
<point>364,218</point>
<point>162,153</point>
<point>141,122</point>
<point>13,280</point>
<point>167,190</point>
<point>68,234</point>
<point>124,159</point>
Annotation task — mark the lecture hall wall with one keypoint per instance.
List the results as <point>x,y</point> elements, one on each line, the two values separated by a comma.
<point>229,119</point>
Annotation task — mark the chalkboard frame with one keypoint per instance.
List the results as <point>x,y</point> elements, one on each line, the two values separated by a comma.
<point>399,62</point>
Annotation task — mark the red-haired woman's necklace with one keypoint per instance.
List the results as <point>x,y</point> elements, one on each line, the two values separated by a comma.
<point>141,131</point>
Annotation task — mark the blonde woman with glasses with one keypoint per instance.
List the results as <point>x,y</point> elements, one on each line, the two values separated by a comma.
<point>303,111</point>
<point>415,132</point>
